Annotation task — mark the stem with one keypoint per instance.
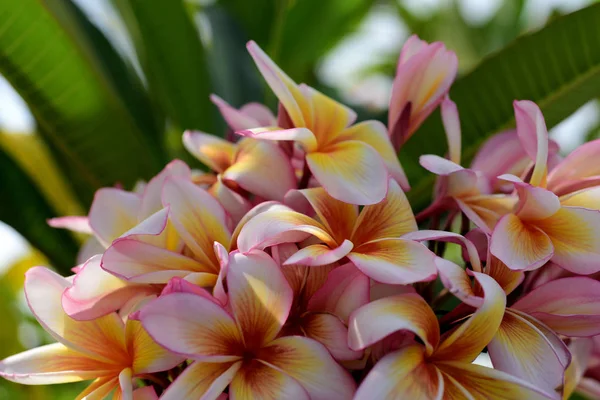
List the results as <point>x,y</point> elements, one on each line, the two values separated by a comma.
<point>306,174</point>
<point>429,211</point>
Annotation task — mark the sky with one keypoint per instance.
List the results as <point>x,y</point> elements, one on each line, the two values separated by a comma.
<point>380,33</point>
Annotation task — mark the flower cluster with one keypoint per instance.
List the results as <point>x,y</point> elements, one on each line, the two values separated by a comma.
<point>295,268</point>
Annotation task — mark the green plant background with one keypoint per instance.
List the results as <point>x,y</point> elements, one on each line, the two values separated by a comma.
<point>102,118</point>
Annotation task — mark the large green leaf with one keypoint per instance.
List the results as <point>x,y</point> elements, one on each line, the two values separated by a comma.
<point>172,57</point>
<point>557,67</point>
<point>48,53</point>
<point>25,209</point>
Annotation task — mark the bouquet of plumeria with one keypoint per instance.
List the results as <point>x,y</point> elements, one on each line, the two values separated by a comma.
<point>296,268</point>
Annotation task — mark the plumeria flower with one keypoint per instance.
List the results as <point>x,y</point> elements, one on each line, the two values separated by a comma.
<point>107,350</point>
<point>371,239</point>
<point>115,211</point>
<point>541,229</point>
<point>505,153</point>
<point>579,170</point>
<point>176,241</point>
<point>351,162</point>
<point>423,77</point>
<point>239,347</point>
<point>435,367</point>
<point>323,297</point>
<point>460,189</point>
<point>522,346</point>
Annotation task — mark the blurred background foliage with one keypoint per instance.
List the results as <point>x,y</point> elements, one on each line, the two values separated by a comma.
<point>110,86</point>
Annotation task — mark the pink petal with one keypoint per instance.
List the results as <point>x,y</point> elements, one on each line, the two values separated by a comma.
<point>526,348</point>
<point>212,151</point>
<point>237,119</point>
<point>318,254</point>
<point>259,294</point>
<point>456,280</point>
<point>376,320</point>
<point>452,127</point>
<point>569,306</point>
<point>535,203</point>
<point>577,171</point>
<point>439,165</point>
<point>395,261</point>
<point>533,134</point>
<point>520,246</point>
<point>113,212</point>
<point>345,290</point>
<point>254,161</point>
<point>303,136</point>
<point>74,223</point>
<point>331,332</point>
<point>309,363</point>
<point>202,380</point>
<point>350,171</point>
<point>151,197</point>
<point>193,326</point>
<point>95,292</point>
<point>233,203</point>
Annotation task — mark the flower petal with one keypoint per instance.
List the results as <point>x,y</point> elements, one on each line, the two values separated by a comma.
<point>533,134</point>
<point>535,203</point>
<point>403,374</point>
<point>337,217</point>
<point>328,116</point>
<point>252,115</point>
<point>569,306</point>
<point>260,381</point>
<point>508,279</point>
<point>148,356</point>
<point>452,128</point>
<point>395,261</point>
<point>331,332</point>
<point>519,245</point>
<point>279,225</point>
<point>581,352</point>
<point>487,383</point>
<point>374,133</point>
<point>151,197</point>
<point>303,136</point>
<point>575,234</point>
<point>350,171</point>
<point>469,339</point>
<point>318,254</point>
<point>234,203</point>
<point>378,319</point>
<point>102,338</point>
<point>72,223</point>
<point>309,363</point>
<point>525,348</point>
<point>202,380</point>
<point>439,165</point>
<point>286,90</point>
<point>95,292</point>
<point>192,325</point>
<point>345,290</point>
<point>212,151</point>
<point>53,363</point>
<point>199,219</point>
<point>254,161</point>
<point>141,262</point>
<point>113,212</point>
<point>456,280</point>
<point>391,218</point>
<point>577,171</point>
<point>259,295</point>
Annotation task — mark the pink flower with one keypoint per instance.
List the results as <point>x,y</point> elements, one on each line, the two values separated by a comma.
<point>423,77</point>
<point>239,347</point>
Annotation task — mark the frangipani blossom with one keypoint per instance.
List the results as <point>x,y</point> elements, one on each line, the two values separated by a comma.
<point>106,350</point>
<point>176,241</point>
<point>351,162</point>
<point>423,77</point>
<point>324,297</point>
<point>541,229</point>
<point>441,367</point>
<point>371,240</point>
<point>240,347</point>
<point>461,189</point>
<point>522,345</point>
<point>245,164</point>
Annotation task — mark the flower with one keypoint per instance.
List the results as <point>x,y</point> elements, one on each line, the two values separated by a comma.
<point>108,350</point>
<point>435,367</point>
<point>240,347</point>
<point>351,162</point>
<point>371,240</point>
<point>423,77</point>
<point>540,228</point>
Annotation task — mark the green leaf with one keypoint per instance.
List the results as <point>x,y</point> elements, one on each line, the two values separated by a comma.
<point>172,57</point>
<point>557,67</point>
<point>48,54</point>
<point>26,210</point>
